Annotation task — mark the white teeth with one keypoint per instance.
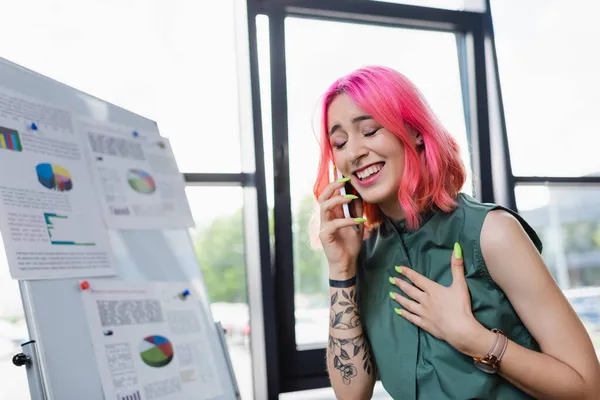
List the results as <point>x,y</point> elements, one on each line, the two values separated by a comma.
<point>369,171</point>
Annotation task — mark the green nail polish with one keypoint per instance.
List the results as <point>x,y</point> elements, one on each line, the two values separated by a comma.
<point>360,220</point>
<point>399,269</point>
<point>350,196</point>
<point>392,281</point>
<point>398,311</point>
<point>341,180</point>
<point>457,251</point>
<point>392,295</point>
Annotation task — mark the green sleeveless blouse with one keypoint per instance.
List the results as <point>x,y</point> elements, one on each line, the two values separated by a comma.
<point>413,364</point>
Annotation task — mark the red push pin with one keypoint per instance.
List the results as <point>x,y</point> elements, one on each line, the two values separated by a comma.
<point>84,285</point>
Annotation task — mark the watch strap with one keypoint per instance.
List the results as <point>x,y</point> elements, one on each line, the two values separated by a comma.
<point>499,348</point>
<point>490,362</point>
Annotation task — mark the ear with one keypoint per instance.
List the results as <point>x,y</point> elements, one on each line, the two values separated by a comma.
<point>416,136</point>
<point>419,140</point>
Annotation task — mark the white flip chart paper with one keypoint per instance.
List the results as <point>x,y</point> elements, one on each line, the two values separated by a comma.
<point>50,217</point>
<point>139,184</point>
<point>150,341</point>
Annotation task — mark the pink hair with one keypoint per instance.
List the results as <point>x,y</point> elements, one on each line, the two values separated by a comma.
<point>432,177</point>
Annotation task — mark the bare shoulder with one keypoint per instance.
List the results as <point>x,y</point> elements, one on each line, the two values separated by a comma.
<point>507,248</point>
<point>500,230</point>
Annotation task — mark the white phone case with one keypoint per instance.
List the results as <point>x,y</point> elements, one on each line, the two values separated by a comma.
<point>345,206</point>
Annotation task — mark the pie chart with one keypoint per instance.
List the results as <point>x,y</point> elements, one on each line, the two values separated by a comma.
<point>141,181</point>
<point>156,351</point>
<point>54,177</point>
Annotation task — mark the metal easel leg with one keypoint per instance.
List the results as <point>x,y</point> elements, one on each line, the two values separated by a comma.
<point>29,359</point>
<point>223,341</point>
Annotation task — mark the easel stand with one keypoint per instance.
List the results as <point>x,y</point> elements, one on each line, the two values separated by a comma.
<point>53,303</point>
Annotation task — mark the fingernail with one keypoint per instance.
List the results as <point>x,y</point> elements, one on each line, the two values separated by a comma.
<point>457,251</point>
<point>350,196</point>
<point>392,281</point>
<point>343,180</point>
<point>360,220</point>
<point>392,295</point>
<point>399,269</point>
<point>398,311</point>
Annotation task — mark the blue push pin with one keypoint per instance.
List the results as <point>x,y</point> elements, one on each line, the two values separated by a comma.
<point>184,294</point>
<point>135,134</point>
<point>33,126</point>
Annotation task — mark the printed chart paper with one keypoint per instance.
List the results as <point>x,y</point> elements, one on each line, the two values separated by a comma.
<point>150,341</point>
<point>137,177</point>
<point>50,217</point>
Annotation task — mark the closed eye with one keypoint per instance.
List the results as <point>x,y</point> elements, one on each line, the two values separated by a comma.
<point>371,133</point>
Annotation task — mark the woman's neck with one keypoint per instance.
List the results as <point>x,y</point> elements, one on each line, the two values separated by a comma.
<point>392,210</point>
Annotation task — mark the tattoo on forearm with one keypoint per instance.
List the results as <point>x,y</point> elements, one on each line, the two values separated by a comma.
<point>344,313</point>
<point>339,352</point>
<point>344,353</point>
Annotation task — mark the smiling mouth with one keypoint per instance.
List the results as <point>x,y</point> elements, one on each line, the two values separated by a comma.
<point>369,171</point>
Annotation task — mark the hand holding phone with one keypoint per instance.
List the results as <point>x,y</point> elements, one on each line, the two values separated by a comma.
<point>340,245</point>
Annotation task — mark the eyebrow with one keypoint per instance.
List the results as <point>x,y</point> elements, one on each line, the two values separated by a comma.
<point>354,120</point>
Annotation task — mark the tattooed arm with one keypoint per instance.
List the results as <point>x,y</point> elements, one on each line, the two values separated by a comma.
<point>349,359</point>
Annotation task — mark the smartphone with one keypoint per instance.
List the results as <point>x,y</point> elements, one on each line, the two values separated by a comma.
<point>344,191</point>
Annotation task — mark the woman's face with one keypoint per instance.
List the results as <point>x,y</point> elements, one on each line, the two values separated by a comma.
<point>366,152</point>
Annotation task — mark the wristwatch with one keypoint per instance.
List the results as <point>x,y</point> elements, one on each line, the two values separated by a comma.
<point>490,363</point>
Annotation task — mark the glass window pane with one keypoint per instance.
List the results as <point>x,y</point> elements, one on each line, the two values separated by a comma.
<point>218,239</point>
<point>567,219</point>
<point>550,85</point>
<point>171,61</point>
<point>459,5</point>
<point>317,53</point>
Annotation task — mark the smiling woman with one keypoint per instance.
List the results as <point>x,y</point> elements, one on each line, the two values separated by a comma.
<point>441,292</point>
<point>388,148</point>
<point>347,140</point>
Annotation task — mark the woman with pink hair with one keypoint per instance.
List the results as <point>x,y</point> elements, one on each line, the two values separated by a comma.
<point>435,293</point>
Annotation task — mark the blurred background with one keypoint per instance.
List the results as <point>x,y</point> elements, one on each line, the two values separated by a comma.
<point>514,81</point>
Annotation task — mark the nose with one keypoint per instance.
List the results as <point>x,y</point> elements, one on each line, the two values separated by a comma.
<point>357,152</point>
